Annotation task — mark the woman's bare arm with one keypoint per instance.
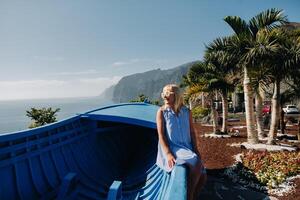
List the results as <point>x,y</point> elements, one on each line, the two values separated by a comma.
<point>162,138</point>
<point>160,129</point>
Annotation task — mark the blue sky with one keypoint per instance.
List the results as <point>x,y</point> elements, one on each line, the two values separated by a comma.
<point>72,48</point>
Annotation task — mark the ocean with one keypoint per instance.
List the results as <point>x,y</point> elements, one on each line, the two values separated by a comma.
<point>13,113</point>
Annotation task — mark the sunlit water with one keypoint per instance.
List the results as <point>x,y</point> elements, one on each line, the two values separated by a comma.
<point>13,113</point>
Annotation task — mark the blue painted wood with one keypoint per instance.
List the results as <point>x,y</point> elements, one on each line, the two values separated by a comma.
<point>115,191</point>
<point>117,142</point>
<point>178,183</point>
<point>59,163</point>
<point>67,186</point>
<point>24,183</point>
<point>141,114</point>
<point>39,179</point>
<point>29,133</point>
<point>8,186</point>
<point>49,170</point>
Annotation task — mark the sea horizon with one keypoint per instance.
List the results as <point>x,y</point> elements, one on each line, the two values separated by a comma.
<point>13,112</point>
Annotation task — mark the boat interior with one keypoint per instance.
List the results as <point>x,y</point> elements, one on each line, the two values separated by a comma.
<point>85,158</point>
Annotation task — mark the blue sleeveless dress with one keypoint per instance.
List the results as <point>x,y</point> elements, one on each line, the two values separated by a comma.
<point>177,131</point>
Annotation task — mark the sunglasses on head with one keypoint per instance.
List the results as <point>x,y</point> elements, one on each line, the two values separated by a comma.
<point>166,94</point>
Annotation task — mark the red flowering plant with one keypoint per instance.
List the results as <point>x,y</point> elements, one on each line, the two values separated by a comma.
<point>269,169</point>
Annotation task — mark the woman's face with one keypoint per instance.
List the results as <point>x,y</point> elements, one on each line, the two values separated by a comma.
<point>169,96</point>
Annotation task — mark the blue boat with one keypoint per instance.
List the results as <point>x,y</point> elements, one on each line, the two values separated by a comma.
<point>108,153</point>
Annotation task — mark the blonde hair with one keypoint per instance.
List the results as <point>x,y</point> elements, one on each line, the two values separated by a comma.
<point>177,94</point>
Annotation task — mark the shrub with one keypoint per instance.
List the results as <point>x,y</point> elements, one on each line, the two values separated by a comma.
<point>236,116</point>
<point>200,112</point>
<point>270,169</point>
<point>41,116</point>
<point>145,99</point>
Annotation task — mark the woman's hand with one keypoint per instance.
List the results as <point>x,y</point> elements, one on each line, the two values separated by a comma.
<point>171,159</point>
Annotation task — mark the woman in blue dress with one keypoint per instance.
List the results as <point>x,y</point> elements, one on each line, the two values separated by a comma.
<point>177,139</point>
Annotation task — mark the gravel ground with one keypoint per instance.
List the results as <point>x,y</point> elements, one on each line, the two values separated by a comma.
<point>217,155</point>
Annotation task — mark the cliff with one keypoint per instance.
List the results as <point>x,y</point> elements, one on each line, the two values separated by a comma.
<point>149,83</point>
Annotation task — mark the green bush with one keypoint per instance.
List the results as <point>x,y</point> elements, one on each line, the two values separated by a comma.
<point>41,116</point>
<point>143,98</point>
<point>200,112</point>
<point>236,116</point>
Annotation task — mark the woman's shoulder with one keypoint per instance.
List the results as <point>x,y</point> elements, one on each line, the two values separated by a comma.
<point>185,109</point>
<point>162,109</point>
<point>165,109</point>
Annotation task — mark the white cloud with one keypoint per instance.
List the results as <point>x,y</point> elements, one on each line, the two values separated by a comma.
<point>131,61</point>
<point>140,60</point>
<point>120,63</point>
<point>39,89</point>
<point>87,72</point>
<point>101,80</point>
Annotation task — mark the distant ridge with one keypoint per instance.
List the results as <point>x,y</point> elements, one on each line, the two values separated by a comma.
<point>149,83</point>
<point>292,25</point>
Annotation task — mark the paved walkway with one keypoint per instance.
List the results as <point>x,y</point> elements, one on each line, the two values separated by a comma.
<point>218,188</point>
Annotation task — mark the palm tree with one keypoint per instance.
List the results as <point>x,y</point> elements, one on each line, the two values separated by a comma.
<point>192,95</point>
<point>214,76</point>
<point>223,69</point>
<point>197,86</point>
<point>278,52</point>
<point>284,65</point>
<point>260,83</point>
<point>247,37</point>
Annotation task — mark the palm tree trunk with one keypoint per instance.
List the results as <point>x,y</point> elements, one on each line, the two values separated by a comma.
<point>190,103</point>
<point>298,134</point>
<point>282,120</point>
<point>259,117</point>
<point>252,137</point>
<point>225,112</point>
<point>202,100</point>
<point>275,113</point>
<point>214,115</point>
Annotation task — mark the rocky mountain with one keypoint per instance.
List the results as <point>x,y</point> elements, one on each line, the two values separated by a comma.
<point>149,83</point>
<point>108,93</point>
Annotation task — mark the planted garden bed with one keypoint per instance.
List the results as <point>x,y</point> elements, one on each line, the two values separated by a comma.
<point>219,156</point>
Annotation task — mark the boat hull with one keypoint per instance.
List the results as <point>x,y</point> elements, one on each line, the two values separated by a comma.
<point>89,156</point>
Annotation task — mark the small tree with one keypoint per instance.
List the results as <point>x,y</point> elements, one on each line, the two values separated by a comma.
<point>41,116</point>
<point>140,98</point>
<point>145,99</point>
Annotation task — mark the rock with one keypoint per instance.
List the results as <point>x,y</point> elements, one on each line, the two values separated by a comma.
<point>149,83</point>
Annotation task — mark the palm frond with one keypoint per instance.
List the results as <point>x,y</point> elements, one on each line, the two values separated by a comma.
<point>270,19</point>
<point>238,25</point>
